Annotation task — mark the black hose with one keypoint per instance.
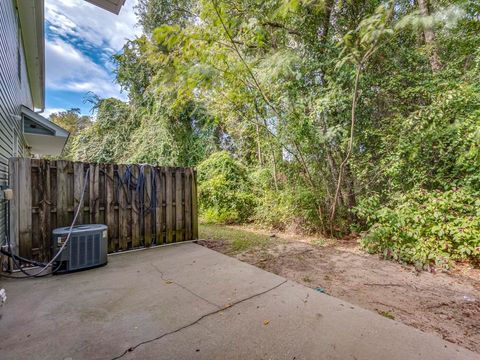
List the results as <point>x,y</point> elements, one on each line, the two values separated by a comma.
<point>20,258</point>
<point>30,276</point>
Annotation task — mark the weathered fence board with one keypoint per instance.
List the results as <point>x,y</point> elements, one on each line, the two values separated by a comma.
<point>159,210</point>
<point>142,205</point>
<point>169,192</point>
<point>24,209</point>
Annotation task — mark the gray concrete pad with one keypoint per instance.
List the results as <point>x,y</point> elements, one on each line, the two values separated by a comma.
<point>186,301</point>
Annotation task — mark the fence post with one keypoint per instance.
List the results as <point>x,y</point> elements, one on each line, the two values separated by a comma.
<point>13,215</point>
<point>194,206</point>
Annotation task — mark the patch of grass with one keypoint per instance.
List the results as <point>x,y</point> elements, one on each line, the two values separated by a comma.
<point>239,239</point>
<point>318,242</point>
<point>307,279</point>
<point>387,314</point>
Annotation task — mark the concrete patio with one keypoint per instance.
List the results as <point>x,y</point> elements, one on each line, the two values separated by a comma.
<point>186,301</point>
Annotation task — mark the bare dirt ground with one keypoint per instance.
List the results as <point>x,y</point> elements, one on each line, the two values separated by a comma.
<point>445,304</point>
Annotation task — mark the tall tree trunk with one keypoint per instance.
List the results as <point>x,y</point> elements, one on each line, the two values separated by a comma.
<point>332,164</point>
<point>356,95</point>
<point>326,21</point>
<point>429,35</point>
<point>274,163</point>
<point>352,200</point>
<point>259,147</point>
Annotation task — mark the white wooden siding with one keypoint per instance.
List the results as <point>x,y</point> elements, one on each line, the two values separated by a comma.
<point>14,92</point>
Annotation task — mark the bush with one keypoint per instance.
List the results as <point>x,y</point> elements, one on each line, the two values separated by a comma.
<point>427,228</point>
<point>274,210</point>
<point>288,208</point>
<point>224,190</point>
<point>439,145</point>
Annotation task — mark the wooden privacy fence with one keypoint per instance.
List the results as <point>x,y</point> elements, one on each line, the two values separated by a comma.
<point>142,205</point>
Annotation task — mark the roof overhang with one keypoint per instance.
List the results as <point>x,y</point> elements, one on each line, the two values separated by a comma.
<point>31,15</point>
<point>113,6</point>
<point>42,136</point>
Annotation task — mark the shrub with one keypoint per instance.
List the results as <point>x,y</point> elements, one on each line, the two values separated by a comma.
<point>427,228</point>
<point>224,190</point>
<point>288,208</point>
<point>438,146</point>
<point>274,209</point>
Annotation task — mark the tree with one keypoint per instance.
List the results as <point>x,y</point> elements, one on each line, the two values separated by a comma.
<point>429,35</point>
<point>72,121</point>
<point>332,107</point>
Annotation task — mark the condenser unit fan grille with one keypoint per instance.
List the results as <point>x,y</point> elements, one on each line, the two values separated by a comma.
<point>84,251</point>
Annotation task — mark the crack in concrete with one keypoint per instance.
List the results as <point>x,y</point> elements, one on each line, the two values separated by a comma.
<point>132,348</point>
<point>162,276</point>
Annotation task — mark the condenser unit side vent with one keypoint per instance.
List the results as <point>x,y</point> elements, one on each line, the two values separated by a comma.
<point>87,247</point>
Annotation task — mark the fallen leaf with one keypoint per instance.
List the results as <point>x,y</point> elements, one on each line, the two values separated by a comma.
<point>266,322</point>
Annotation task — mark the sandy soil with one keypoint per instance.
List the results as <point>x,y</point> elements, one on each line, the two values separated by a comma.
<point>445,304</point>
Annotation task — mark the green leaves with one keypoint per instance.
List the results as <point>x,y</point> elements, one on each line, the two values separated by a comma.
<point>266,86</point>
<point>359,44</point>
<point>426,227</point>
<point>167,35</point>
<point>224,190</point>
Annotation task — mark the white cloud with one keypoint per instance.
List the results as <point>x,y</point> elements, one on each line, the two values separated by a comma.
<point>69,69</point>
<point>75,26</point>
<point>81,19</point>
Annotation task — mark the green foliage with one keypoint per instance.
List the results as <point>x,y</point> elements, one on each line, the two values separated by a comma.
<point>427,228</point>
<point>307,106</point>
<point>108,137</point>
<point>182,138</point>
<point>153,13</point>
<point>438,146</point>
<point>288,209</point>
<point>134,70</point>
<point>74,123</point>
<point>224,190</point>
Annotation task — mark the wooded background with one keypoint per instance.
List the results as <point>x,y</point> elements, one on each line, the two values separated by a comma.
<point>333,117</point>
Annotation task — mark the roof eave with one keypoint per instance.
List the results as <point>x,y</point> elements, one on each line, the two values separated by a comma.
<point>31,15</point>
<point>58,130</point>
<point>113,6</point>
<point>44,144</point>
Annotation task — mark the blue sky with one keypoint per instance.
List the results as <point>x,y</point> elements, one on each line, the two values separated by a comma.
<point>80,39</point>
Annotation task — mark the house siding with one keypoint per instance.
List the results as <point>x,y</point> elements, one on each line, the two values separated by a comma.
<point>14,92</point>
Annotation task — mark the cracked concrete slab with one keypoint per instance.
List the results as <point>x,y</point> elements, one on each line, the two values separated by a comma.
<point>294,322</point>
<point>186,301</point>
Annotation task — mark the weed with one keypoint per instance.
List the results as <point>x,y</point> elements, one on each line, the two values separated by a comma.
<point>318,242</point>
<point>387,314</point>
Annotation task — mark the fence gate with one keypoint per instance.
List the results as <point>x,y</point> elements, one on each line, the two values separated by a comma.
<point>142,205</point>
